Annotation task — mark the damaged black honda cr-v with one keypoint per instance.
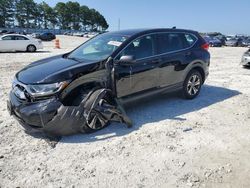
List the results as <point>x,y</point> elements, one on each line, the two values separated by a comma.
<point>82,91</point>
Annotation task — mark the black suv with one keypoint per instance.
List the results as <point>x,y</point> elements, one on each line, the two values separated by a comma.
<point>82,91</point>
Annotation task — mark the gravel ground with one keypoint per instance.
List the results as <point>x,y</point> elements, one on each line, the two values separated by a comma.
<point>173,143</point>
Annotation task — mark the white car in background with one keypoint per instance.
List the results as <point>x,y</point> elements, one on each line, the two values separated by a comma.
<point>16,42</point>
<point>245,61</point>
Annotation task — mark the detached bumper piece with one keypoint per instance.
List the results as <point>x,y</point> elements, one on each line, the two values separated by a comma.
<point>96,111</point>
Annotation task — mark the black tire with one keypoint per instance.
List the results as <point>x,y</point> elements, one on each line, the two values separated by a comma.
<point>192,85</point>
<point>31,48</point>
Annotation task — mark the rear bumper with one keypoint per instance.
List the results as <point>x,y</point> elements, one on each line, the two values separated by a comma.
<point>39,46</point>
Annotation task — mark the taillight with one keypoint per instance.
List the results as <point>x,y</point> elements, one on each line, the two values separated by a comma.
<point>205,46</point>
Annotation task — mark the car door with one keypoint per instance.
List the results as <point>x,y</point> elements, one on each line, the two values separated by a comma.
<point>174,52</point>
<point>7,43</point>
<point>143,73</point>
<point>21,43</point>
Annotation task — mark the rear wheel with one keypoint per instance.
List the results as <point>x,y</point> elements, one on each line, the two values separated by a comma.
<point>31,48</point>
<point>192,85</point>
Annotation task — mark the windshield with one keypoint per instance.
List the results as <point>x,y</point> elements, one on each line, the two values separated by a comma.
<point>98,48</point>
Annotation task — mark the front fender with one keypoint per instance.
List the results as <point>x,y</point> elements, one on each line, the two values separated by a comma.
<point>100,78</point>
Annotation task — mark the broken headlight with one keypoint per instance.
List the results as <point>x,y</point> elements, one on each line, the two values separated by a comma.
<point>41,90</point>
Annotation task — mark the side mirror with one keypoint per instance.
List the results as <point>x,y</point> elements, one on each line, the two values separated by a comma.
<point>127,59</point>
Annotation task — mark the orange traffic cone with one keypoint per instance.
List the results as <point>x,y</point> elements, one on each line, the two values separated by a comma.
<point>57,44</point>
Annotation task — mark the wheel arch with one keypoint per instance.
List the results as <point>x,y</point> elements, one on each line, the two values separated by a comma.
<point>199,66</point>
<point>201,71</point>
<point>98,79</point>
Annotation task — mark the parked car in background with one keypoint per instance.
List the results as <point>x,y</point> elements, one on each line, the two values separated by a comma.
<point>245,61</point>
<point>212,41</point>
<point>68,33</point>
<point>10,32</point>
<point>3,31</point>
<point>47,36</point>
<point>84,34</point>
<point>16,42</point>
<point>36,35</point>
<point>91,34</point>
<point>246,42</point>
<point>80,34</point>
<point>234,42</point>
<point>222,38</point>
<point>229,37</point>
<point>77,91</point>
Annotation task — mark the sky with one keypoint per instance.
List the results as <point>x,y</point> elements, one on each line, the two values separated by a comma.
<point>226,16</point>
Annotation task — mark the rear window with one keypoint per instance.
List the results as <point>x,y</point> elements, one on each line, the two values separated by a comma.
<point>171,42</point>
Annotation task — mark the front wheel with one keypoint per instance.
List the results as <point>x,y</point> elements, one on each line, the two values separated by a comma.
<point>192,85</point>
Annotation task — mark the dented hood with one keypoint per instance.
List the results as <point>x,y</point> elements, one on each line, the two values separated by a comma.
<point>54,69</point>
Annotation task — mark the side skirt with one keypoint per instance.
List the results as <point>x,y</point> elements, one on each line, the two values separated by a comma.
<point>151,92</point>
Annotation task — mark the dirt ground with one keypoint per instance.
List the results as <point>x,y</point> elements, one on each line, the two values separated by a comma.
<point>204,142</point>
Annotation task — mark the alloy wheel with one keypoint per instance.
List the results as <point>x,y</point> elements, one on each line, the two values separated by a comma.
<point>193,85</point>
<point>97,119</point>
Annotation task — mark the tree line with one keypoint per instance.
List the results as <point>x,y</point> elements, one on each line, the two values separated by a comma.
<point>69,15</point>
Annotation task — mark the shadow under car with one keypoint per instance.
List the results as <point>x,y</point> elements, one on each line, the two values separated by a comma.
<point>160,108</point>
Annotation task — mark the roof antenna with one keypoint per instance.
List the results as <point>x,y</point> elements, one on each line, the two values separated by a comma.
<point>174,27</point>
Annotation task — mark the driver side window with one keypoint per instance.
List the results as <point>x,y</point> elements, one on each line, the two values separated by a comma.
<point>140,48</point>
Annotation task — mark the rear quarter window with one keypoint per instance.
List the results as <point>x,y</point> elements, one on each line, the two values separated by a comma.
<point>20,38</point>
<point>190,39</point>
<point>171,42</point>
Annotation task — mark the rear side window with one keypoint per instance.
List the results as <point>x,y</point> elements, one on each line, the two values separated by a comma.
<point>20,38</point>
<point>171,42</point>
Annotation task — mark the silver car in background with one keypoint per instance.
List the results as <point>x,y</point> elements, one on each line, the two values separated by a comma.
<point>245,61</point>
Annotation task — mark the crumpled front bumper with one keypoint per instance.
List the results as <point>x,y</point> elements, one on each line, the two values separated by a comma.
<point>33,116</point>
<point>52,117</point>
